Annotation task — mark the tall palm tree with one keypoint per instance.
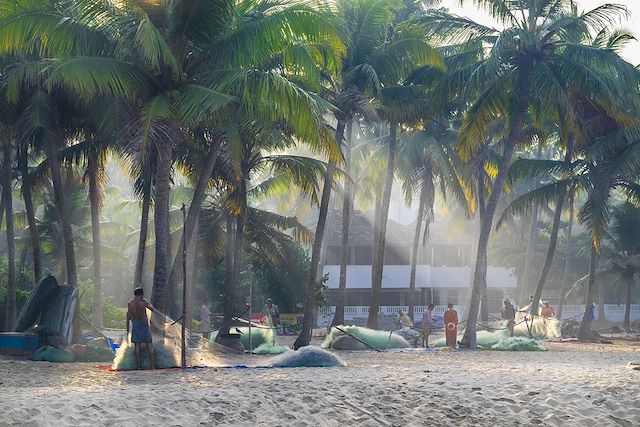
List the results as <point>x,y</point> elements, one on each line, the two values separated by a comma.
<point>7,150</point>
<point>428,164</point>
<point>530,63</point>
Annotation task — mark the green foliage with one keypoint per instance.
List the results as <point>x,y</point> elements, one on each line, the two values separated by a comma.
<point>114,317</point>
<point>24,284</point>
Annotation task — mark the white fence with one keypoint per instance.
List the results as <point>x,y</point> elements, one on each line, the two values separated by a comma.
<point>359,313</point>
<point>612,312</point>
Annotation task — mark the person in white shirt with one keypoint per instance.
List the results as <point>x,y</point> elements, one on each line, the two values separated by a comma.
<point>205,319</point>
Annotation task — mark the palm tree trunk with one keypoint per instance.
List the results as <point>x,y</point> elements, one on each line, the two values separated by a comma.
<point>553,237</point>
<point>627,306</point>
<point>414,254</point>
<point>51,148</point>
<point>159,294</point>
<point>229,296</point>
<point>567,262</point>
<point>480,271</point>
<point>533,236</point>
<point>309,306</point>
<point>26,188</point>
<point>93,170</point>
<point>10,315</point>
<point>199,195</point>
<point>584,333</point>
<point>347,202</point>
<point>192,269</point>
<point>377,267</point>
<point>601,301</point>
<point>142,239</point>
<point>551,250</point>
<point>484,300</point>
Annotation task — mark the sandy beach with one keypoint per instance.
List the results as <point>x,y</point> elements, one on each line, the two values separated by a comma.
<point>571,384</point>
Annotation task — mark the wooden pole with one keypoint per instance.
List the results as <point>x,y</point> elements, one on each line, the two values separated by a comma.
<point>184,287</point>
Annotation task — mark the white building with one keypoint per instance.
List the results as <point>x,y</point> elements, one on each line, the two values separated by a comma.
<point>443,274</point>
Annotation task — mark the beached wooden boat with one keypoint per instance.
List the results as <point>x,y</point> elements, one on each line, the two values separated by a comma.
<point>18,344</point>
<point>33,307</point>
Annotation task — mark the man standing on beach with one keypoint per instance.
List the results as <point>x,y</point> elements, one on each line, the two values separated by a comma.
<point>205,319</point>
<point>547,310</point>
<point>451,325</point>
<point>427,323</point>
<point>508,313</point>
<point>140,331</point>
<point>271,313</point>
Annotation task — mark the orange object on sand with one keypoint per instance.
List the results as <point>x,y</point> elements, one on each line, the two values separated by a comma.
<point>451,327</point>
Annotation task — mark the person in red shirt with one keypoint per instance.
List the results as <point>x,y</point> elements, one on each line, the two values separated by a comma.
<point>547,310</point>
<point>451,325</point>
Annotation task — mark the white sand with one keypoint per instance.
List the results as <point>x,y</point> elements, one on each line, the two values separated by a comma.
<point>572,384</point>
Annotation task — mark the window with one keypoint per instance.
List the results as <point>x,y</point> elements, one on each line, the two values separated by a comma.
<point>363,255</point>
<point>396,255</point>
<point>333,255</point>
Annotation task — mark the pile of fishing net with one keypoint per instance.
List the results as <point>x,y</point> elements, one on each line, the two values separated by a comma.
<point>310,357</point>
<point>50,353</point>
<point>544,328</point>
<point>259,336</point>
<point>165,355</point>
<point>94,351</point>
<point>373,338</point>
<point>518,344</point>
<point>267,348</point>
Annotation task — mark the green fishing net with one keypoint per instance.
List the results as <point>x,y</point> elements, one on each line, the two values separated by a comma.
<point>266,348</point>
<point>259,336</point>
<point>378,339</point>
<point>518,344</point>
<point>53,354</point>
<point>309,356</point>
<point>166,356</point>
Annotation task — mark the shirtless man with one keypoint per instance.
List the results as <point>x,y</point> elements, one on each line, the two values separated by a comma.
<point>140,331</point>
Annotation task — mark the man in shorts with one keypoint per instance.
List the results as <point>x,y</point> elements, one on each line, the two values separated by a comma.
<point>140,331</point>
<point>427,323</point>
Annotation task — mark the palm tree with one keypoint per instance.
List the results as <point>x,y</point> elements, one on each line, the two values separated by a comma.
<point>7,149</point>
<point>568,255</point>
<point>625,264</point>
<point>530,63</point>
<point>428,163</point>
<point>181,64</point>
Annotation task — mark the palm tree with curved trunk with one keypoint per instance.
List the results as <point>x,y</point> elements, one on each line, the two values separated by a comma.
<point>529,64</point>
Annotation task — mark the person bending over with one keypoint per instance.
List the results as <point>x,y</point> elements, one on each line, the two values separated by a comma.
<point>140,331</point>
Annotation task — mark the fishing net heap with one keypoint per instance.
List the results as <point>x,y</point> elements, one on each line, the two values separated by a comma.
<point>377,339</point>
<point>518,344</point>
<point>267,348</point>
<point>50,353</point>
<point>165,355</point>
<point>96,350</point>
<point>260,336</point>
<point>310,357</point>
<point>544,328</point>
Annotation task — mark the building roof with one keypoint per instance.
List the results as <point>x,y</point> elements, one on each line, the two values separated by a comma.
<point>361,231</point>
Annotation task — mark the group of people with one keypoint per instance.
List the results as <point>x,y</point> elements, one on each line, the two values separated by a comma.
<point>450,319</point>
<point>508,313</point>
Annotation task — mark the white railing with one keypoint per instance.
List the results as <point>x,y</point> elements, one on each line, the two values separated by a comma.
<point>613,312</point>
<point>355,313</point>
